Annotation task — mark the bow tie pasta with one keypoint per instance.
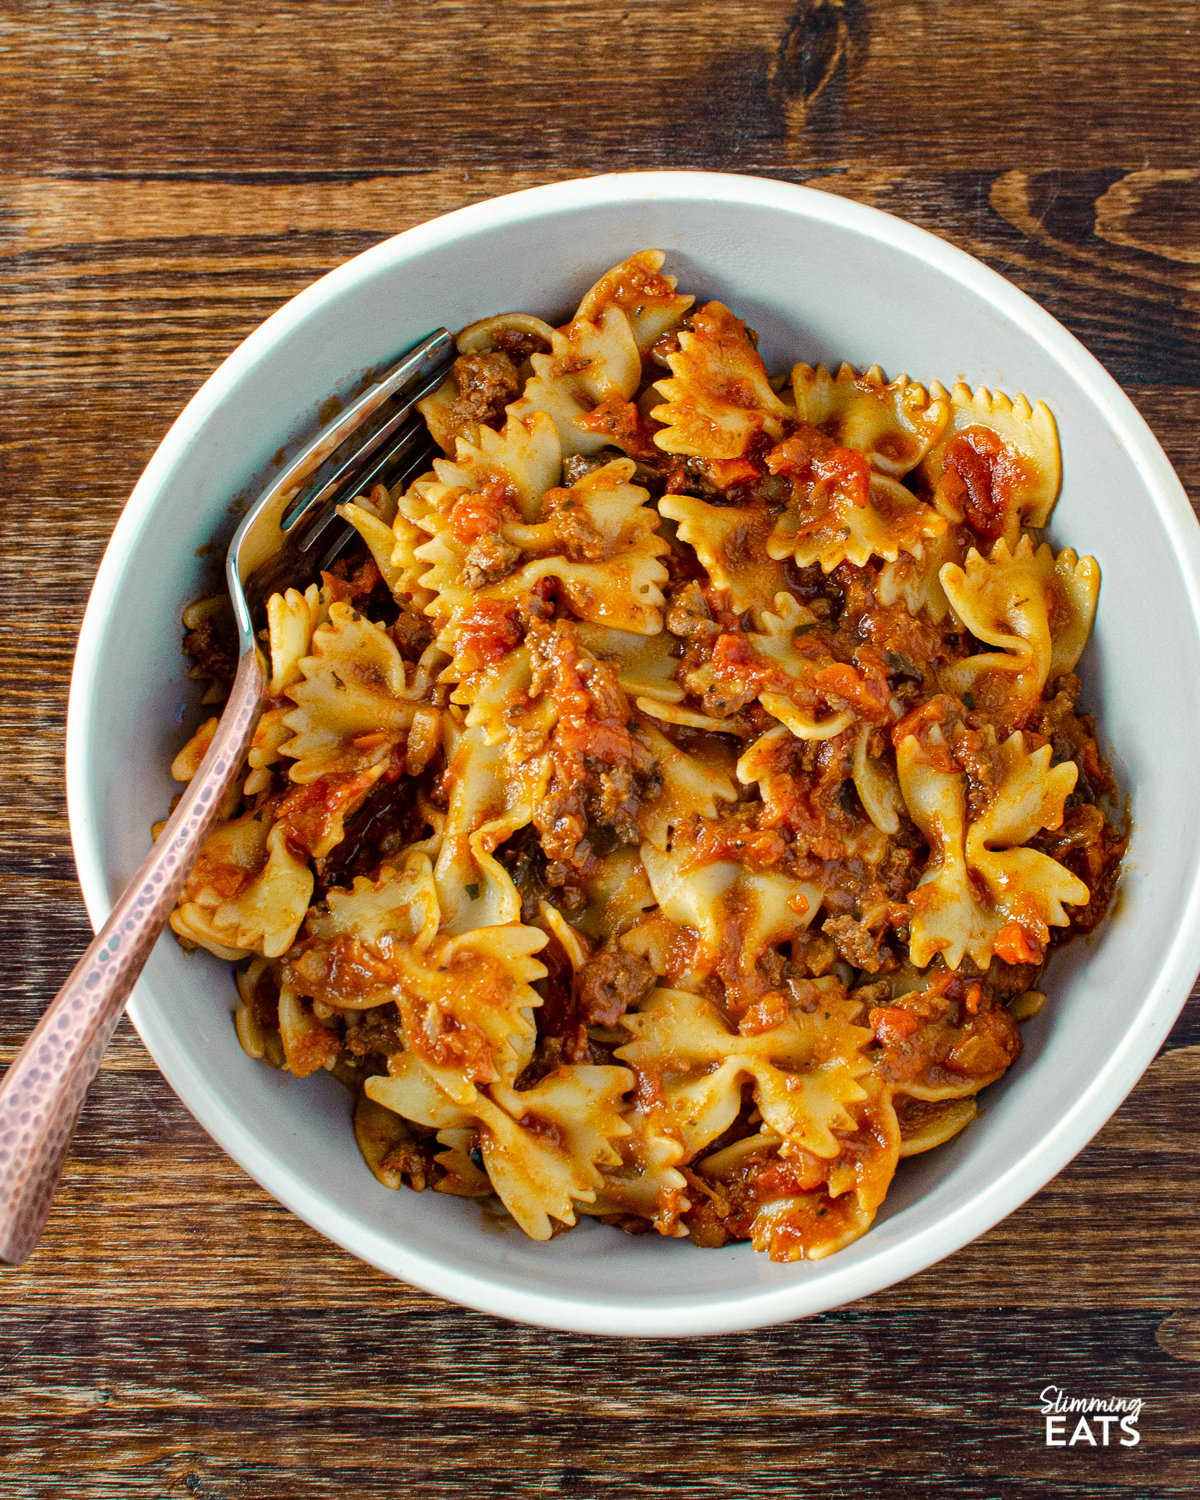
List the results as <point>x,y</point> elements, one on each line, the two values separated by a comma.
<point>665,809</point>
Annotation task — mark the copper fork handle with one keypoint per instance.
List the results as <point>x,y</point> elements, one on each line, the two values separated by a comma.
<point>43,1090</point>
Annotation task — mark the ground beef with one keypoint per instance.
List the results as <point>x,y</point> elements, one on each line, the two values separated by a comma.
<point>519,343</point>
<point>560,878</point>
<point>377,1032</point>
<point>877,993</point>
<point>898,871</point>
<point>618,801</point>
<point>601,772</point>
<point>1004,982</point>
<point>486,384</point>
<point>489,560</point>
<point>576,531</point>
<point>689,616</point>
<point>212,649</point>
<point>355,579</point>
<point>562,823</point>
<point>856,943</point>
<point>577,465</point>
<point>1092,849</point>
<point>813,955</point>
<point>610,983</point>
<point>594,796</point>
<point>412,1161</point>
<point>1073,737</point>
<point>411,631</point>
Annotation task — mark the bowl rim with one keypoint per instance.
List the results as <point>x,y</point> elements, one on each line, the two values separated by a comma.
<point>755,1306</point>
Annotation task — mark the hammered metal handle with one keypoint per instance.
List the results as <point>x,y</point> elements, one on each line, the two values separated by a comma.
<point>43,1090</point>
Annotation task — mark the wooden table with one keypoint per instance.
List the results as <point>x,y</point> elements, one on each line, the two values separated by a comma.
<point>169,173</point>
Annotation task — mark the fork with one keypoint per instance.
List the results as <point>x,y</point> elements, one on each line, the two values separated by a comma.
<point>290,533</point>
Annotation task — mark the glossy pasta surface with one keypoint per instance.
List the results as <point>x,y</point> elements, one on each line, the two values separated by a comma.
<point>666,811</point>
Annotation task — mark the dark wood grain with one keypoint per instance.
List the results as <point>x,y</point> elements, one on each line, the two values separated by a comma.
<point>169,173</point>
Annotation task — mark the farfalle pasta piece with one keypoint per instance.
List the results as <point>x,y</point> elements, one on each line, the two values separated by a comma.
<point>645,664</point>
<point>617,892</point>
<point>571,941</point>
<point>544,1149</point>
<point>924,1127</point>
<point>841,510</point>
<point>188,762</point>
<point>399,905</point>
<point>381,541</point>
<point>1035,607</point>
<point>693,783</point>
<point>914,579</point>
<point>513,467</point>
<point>461,1177</point>
<point>805,1069</point>
<point>684,718</point>
<point>473,887</point>
<point>511,328</point>
<point>467,1001</point>
<point>1028,888</point>
<point>718,398</point>
<point>247,893</point>
<point>489,691</point>
<point>647,298</point>
<point>797,698</point>
<point>997,464</point>
<point>292,617</point>
<point>947,916</point>
<point>405,567</point>
<point>893,424</point>
<point>737,913</point>
<point>308,1044</point>
<point>354,702</point>
<point>756,764</point>
<point>204,621</point>
<point>389,1147</point>
<point>800,1206</point>
<point>589,363</point>
<point>597,539</point>
<point>981,892</point>
<point>648,1182</point>
<point>270,735</point>
<point>876,785</point>
<point>730,542</point>
<point>345,954</point>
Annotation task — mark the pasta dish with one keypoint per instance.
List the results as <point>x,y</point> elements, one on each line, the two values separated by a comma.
<point>665,809</point>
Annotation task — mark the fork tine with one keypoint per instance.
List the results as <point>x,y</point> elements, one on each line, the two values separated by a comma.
<point>336,532</point>
<point>412,445</point>
<point>411,468</point>
<point>346,475</point>
<point>299,554</point>
<point>296,505</point>
<point>399,425</point>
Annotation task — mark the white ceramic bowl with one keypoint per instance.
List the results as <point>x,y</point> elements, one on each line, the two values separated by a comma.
<point>820,279</point>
